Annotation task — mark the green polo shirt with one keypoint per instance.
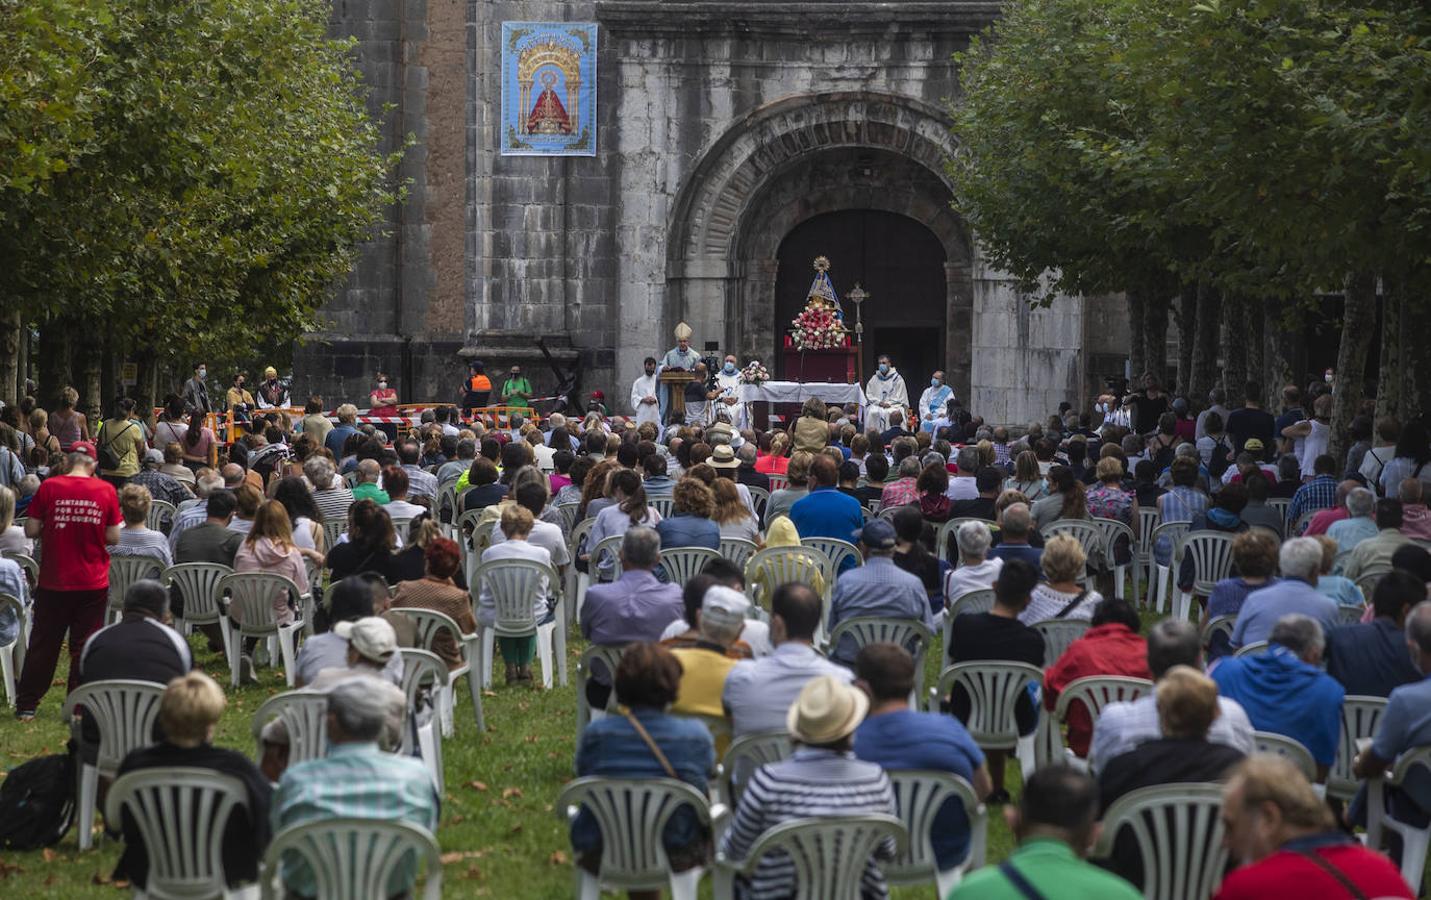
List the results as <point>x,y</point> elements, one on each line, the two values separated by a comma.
<point>517,390</point>
<point>369,491</point>
<point>1054,871</point>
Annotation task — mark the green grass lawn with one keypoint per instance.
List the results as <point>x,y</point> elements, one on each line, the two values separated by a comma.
<point>499,834</point>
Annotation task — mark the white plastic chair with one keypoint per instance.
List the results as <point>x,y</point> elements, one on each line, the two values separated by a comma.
<point>12,655</point>
<point>251,603</point>
<point>1282,505</point>
<point>161,513</point>
<point>1143,559</point>
<point>1211,554</point>
<point>577,581</point>
<point>737,550</point>
<point>1094,692</point>
<point>333,529</point>
<point>1368,581</point>
<point>1360,717</point>
<point>662,505</point>
<point>1112,530</point>
<point>609,657</point>
<point>1251,649</point>
<point>683,563</point>
<point>994,688</point>
<point>1217,625</point>
<point>1089,536</point>
<point>1289,749</point>
<point>28,563</point>
<point>428,623</point>
<point>1179,837</point>
<point>911,634</point>
<point>920,794</point>
<point>1059,634</point>
<point>402,526</point>
<point>470,544</point>
<point>123,711</point>
<point>181,814</point>
<point>744,755</point>
<point>424,673</point>
<point>771,567</point>
<point>568,514</point>
<point>1414,841</point>
<point>760,499</point>
<point>513,584</point>
<point>1350,613</point>
<point>778,482</point>
<point>608,551</point>
<point>1163,582</point>
<point>967,602</point>
<point>305,718</point>
<point>125,571</point>
<point>835,550</point>
<point>829,854</point>
<point>353,858</point>
<point>631,815</point>
<point>944,537</point>
<point>198,584</point>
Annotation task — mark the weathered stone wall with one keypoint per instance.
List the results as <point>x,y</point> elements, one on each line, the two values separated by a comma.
<point>709,116</point>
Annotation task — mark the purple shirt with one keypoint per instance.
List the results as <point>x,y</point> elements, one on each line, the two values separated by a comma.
<point>634,607</point>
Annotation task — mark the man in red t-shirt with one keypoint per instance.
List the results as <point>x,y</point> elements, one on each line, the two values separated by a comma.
<point>76,517</point>
<point>1289,843</point>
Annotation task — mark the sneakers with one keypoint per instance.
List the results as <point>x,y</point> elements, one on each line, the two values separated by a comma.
<point>24,715</point>
<point>512,675</point>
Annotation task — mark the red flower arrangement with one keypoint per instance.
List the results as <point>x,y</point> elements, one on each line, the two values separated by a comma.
<point>817,328</point>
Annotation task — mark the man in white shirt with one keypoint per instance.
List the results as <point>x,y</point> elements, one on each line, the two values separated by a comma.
<point>1313,435</point>
<point>728,399</point>
<point>758,693</point>
<point>964,485</point>
<point>887,398</point>
<point>1121,727</point>
<point>645,404</point>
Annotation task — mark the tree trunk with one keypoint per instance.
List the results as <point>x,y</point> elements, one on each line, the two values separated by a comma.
<point>1155,334</point>
<point>145,378</point>
<point>1234,346</point>
<point>11,386</point>
<point>1254,325</point>
<point>92,400</point>
<point>1416,347</point>
<point>1358,323</point>
<point>1204,358</point>
<point>1136,327</point>
<point>1277,341</point>
<point>1392,369</point>
<point>54,361</point>
<point>1187,327</point>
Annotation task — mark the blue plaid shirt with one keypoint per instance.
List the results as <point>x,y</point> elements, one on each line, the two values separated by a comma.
<point>356,780</point>
<point>1319,493</point>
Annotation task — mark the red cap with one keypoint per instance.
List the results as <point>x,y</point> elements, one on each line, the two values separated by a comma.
<point>86,448</point>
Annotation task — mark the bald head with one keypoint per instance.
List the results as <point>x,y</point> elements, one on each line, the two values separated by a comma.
<point>368,471</point>
<point>233,475</point>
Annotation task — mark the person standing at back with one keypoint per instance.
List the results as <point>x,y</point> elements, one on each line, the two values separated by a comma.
<point>120,436</point>
<point>77,517</point>
<point>1252,422</point>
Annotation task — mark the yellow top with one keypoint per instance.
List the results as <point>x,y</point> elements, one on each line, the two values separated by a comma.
<point>703,674</point>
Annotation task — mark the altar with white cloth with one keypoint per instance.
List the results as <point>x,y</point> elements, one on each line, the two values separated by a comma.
<point>797,392</point>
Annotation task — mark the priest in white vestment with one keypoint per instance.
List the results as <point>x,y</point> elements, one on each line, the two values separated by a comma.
<point>887,398</point>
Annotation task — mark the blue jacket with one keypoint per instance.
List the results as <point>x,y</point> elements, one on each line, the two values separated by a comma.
<point>1286,696</point>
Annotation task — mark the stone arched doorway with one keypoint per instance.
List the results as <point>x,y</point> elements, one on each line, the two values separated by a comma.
<point>786,164</point>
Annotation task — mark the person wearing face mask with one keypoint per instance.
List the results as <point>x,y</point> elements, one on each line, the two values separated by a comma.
<point>196,393</point>
<point>239,399</point>
<point>644,401</point>
<point>516,390</point>
<point>272,393</point>
<point>887,397</point>
<point>728,383</point>
<point>933,401</point>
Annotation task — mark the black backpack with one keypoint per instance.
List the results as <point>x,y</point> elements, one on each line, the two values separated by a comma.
<point>1221,459</point>
<point>37,803</point>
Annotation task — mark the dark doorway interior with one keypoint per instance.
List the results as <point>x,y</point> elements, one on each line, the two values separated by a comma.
<point>897,260</point>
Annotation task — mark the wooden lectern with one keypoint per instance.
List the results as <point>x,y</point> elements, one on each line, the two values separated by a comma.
<point>676,380</point>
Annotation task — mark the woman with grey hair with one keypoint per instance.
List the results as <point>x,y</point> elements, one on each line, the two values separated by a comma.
<point>976,572</point>
<point>329,494</point>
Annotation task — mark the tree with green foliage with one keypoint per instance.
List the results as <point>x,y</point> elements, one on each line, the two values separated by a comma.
<point>230,172</point>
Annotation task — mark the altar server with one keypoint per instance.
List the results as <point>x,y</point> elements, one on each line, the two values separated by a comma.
<point>728,383</point>
<point>934,401</point>
<point>645,405</point>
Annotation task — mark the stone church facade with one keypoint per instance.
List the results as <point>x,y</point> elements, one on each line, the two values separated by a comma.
<point>735,142</point>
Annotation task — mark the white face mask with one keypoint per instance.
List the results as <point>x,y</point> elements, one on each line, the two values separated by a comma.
<point>203,373</point>
<point>382,384</point>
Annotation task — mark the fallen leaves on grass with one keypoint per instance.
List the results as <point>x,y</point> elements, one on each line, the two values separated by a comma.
<point>8,869</point>
<point>510,792</point>
<point>558,858</point>
<point>49,855</point>
<point>477,785</point>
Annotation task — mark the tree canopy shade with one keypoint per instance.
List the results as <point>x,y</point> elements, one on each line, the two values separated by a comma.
<point>207,181</point>
<point>1264,149</point>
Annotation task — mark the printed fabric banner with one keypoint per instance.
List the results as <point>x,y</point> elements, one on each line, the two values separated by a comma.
<point>548,89</point>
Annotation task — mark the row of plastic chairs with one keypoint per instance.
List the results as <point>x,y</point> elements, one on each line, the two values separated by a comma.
<point>180,812</point>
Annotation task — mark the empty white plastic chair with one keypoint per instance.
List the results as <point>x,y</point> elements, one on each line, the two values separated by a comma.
<point>778,482</point>
<point>305,719</point>
<point>744,755</point>
<point>1414,840</point>
<point>1222,625</point>
<point>181,813</point>
<point>631,814</point>
<point>513,583</point>
<point>1289,749</point>
<point>605,658</point>
<point>683,563</point>
<point>920,794</point>
<point>428,624</point>
<point>333,529</point>
<point>944,544</point>
<point>829,854</point>
<point>12,655</point>
<point>123,711</point>
<point>1179,836</point>
<point>198,584</point>
<point>251,604</point>
<point>424,678</point>
<point>605,563</point>
<point>1058,634</point>
<point>125,571</point>
<point>352,858</point>
<point>1360,717</point>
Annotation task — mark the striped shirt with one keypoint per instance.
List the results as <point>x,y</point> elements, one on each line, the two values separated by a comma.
<point>357,780</point>
<point>333,503</point>
<point>143,542</point>
<point>812,783</point>
<point>187,518</point>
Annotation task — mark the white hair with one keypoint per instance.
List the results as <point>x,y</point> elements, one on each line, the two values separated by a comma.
<point>1360,502</point>
<point>973,539</point>
<point>1300,558</point>
<point>359,709</point>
